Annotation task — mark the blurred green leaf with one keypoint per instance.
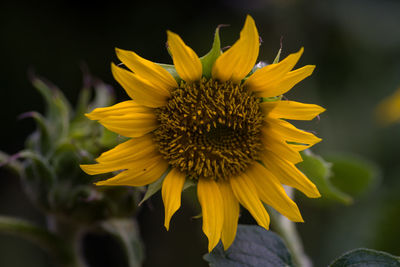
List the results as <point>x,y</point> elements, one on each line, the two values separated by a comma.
<point>320,173</point>
<point>103,97</point>
<point>366,258</point>
<point>127,233</point>
<point>208,60</point>
<point>11,163</point>
<point>58,108</point>
<point>38,235</point>
<point>353,175</point>
<point>253,246</point>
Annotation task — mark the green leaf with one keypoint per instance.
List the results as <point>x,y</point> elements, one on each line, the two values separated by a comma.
<point>208,60</point>
<point>253,246</point>
<point>38,235</point>
<point>353,174</point>
<point>127,233</point>
<point>366,258</point>
<point>319,172</point>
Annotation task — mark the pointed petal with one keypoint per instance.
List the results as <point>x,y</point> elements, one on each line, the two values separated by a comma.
<point>231,214</point>
<point>272,192</point>
<point>171,193</point>
<point>288,174</point>
<point>212,208</point>
<point>272,73</point>
<point>139,89</point>
<point>273,142</point>
<point>246,192</point>
<point>290,133</point>
<point>147,70</point>
<point>298,147</point>
<point>134,148</point>
<point>144,173</point>
<point>237,61</point>
<point>126,118</point>
<point>287,82</point>
<point>186,61</point>
<point>292,110</point>
<point>124,156</point>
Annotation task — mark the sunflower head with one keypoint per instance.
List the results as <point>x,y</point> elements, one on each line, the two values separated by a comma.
<point>214,121</point>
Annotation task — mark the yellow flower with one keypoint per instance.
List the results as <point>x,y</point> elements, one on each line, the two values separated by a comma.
<point>216,131</point>
<point>388,110</point>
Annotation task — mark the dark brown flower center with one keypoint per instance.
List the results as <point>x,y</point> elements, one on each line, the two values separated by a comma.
<point>210,129</point>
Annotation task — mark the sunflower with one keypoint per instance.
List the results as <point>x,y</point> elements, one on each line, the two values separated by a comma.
<point>216,122</point>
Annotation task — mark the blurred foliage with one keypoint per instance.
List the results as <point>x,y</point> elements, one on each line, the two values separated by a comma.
<point>366,258</point>
<point>354,44</point>
<point>253,246</point>
<point>50,174</point>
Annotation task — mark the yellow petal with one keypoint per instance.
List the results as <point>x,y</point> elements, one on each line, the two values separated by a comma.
<point>123,156</point>
<point>141,174</point>
<point>118,165</point>
<point>237,61</point>
<point>134,148</point>
<point>288,174</point>
<point>299,147</point>
<point>290,133</point>
<point>186,61</point>
<point>212,208</point>
<point>231,214</point>
<point>126,118</point>
<point>139,89</point>
<point>246,192</point>
<point>272,192</point>
<point>171,193</point>
<point>292,110</point>
<point>147,70</point>
<point>275,143</point>
<point>287,82</point>
<point>265,77</point>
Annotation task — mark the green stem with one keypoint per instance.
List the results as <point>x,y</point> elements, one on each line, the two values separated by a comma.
<point>287,230</point>
<point>71,235</point>
<point>45,239</point>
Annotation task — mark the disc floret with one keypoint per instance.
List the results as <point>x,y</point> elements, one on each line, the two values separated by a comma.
<point>210,129</point>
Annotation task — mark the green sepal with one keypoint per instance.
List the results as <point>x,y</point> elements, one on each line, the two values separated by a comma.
<point>278,55</point>
<point>319,172</point>
<point>207,61</point>
<point>154,187</point>
<point>271,99</point>
<point>171,69</point>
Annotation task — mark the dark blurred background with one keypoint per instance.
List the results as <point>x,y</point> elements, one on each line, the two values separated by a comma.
<point>354,44</point>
